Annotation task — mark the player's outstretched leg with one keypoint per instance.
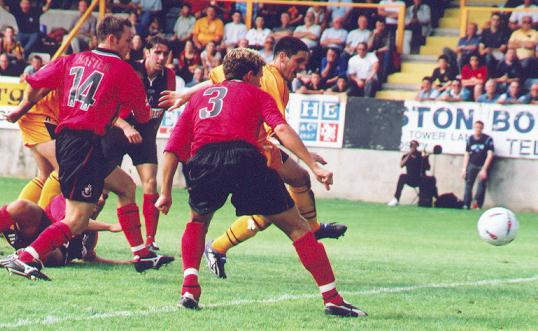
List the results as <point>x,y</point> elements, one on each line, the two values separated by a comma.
<point>244,228</point>
<point>192,248</point>
<point>314,258</point>
<point>120,183</point>
<point>299,187</point>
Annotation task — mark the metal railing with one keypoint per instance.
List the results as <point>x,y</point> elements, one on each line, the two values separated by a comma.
<point>401,13</point>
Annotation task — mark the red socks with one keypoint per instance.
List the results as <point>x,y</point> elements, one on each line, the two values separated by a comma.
<point>6,222</point>
<point>129,218</point>
<point>314,258</point>
<point>151,217</point>
<point>192,248</point>
<point>53,237</point>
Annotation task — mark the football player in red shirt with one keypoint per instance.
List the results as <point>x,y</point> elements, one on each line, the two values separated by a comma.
<point>139,140</point>
<point>216,139</point>
<point>92,87</point>
<point>22,221</point>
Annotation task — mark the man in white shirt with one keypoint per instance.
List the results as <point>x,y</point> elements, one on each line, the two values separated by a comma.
<point>360,35</point>
<point>184,25</point>
<point>309,32</point>
<point>418,20</point>
<point>362,72</point>
<point>256,36</point>
<point>516,19</point>
<point>285,29</point>
<point>234,31</point>
<point>390,14</point>
<point>334,37</point>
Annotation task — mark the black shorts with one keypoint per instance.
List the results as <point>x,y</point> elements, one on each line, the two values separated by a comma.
<point>82,165</point>
<point>285,156</point>
<point>235,168</point>
<point>116,145</point>
<point>15,238</point>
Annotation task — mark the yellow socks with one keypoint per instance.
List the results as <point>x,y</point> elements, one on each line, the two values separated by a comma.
<point>50,190</point>
<point>32,190</point>
<point>244,228</point>
<point>304,199</point>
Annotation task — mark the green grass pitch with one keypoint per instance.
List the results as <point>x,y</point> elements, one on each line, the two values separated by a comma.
<point>410,268</point>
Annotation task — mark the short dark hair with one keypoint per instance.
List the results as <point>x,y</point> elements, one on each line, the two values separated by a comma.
<point>188,5</point>
<point>442,57</point>
<point>239,61</point>
<point>112,25</point>
<point>154,41</point>
<point>290,46</point>
<point>37,57</point>
<point>479,122</point>
<point>428,78</point>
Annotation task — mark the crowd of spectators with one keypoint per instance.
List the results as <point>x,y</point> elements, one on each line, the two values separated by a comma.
<point>495,63</point>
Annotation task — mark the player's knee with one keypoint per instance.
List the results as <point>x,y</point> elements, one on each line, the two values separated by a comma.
<point>127,191</point>
<point>301,179</point>
<point>150,185</point>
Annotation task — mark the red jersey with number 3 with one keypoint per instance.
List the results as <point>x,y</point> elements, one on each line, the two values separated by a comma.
<point>231,110</point>
<point>92,86</point>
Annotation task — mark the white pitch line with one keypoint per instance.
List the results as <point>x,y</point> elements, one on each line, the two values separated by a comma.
<point>50,320</point>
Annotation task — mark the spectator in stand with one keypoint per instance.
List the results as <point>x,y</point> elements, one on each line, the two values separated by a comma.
<point>390,14</point>
<point>512,96</point>
<point>320,15</point>
<point>477,161</point>
<point>6,67</point>
<point>256,36</point>
<point>149,9</point>
<point>493,42</point>
<point>339,11</point>
<point>359,35</point>
<point>154,28</point>
<point>334,37</point>
<point>27,17</point>
<point>340,87</point>
<point>380,43</point>
<point>81,42</point>
<point>490,96</point>
<point>314,86</point>
<point>443,74</point>
<point>36,63</point>
<point>427,92</point>
<point>285,29</point>
<point>517,17</point>
<point>210,57</point>
<point>243,43</point>
<point>532,97</point>
<point>137,49</point>
<point>309,33</point>
<point>524,41</point>
<point>467,46</point>
<point>295,15</point>
<point>197,77</point>
<point>331,67</point>
<point>508,70</point>
<point>208,28</point>
<point>267,52</point>
<point>188,60</point>
<point>10,46</point>
<point>133,18</point>
<point>418,20</point>
<point>473,76</point>
<point>362,71</point>
<point>456,93</point>
<point>184,26</point>
<point>234,31</point>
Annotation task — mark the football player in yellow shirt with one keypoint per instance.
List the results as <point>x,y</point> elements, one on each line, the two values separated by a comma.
<point>290,56</point>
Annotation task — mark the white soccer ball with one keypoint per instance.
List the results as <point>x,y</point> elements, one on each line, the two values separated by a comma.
<point>498,226</point>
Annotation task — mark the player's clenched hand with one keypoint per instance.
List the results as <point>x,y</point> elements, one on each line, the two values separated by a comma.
<point>324,176</point>
<point>132,135</point>
<point>115,228</point>
<point>172,100</point>
<point>318,158</point>
<point>163,204</point>
<point>12,116</point>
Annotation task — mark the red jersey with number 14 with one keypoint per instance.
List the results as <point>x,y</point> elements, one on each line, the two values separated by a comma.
<point>232,110</point>
<point>92,86</point>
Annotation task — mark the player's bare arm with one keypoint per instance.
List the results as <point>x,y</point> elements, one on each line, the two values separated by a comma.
<point>130,132</point>
<point>291,140</point>
<point>174,99</point>
<point>170,163</point>
<point>31,97</point>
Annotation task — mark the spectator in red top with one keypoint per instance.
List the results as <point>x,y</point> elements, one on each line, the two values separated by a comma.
<point>474,75</point>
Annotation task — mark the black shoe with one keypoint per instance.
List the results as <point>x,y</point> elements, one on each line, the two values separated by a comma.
<point>330,230</point>
<point>215,261</point>
<point>153,247</point>
<point>343,310</point>
<point>152,261</point>
<point>187,301</point>
<point>31,270</point>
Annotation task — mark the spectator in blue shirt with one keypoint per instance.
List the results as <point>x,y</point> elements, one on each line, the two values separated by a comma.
<point>427,92</point>
<point>512,96</point>
<point>532,97</point>
<point>456,93</point>
<point>332,67</point>
<point>467,46</point>
<point>491,95</point>
<point>150,9</point>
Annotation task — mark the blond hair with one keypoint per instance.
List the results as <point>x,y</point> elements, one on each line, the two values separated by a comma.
<point>239,61</point>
